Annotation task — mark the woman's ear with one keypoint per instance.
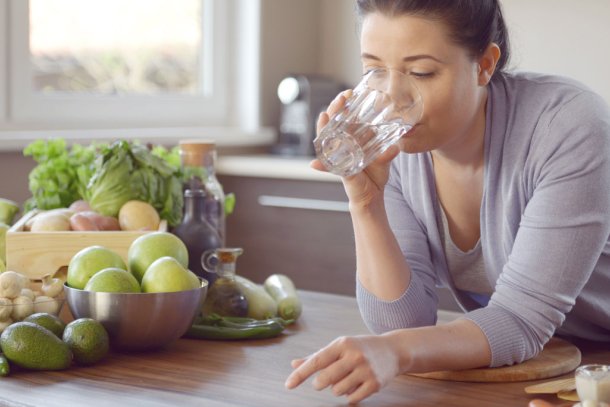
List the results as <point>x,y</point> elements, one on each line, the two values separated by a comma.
<point>487,63</point>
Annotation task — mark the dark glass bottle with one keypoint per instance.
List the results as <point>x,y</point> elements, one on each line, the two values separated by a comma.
<point>196,232</point>
<point>198,160</point>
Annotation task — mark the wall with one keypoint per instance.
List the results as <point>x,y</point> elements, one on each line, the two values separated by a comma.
<point>563,37</point>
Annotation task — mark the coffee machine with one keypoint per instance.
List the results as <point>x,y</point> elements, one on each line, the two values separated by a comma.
<point>303,98</point>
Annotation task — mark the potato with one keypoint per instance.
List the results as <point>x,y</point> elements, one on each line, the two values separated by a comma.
<point>93,221</point>
<point>50,222</point>
<point>138,215</point>
<point>80,206</point>
<point>82,222</point>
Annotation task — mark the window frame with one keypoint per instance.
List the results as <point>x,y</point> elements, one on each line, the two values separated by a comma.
<point>25,106</point>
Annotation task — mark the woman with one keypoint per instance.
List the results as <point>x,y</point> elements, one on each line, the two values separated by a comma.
<point>502,195</point>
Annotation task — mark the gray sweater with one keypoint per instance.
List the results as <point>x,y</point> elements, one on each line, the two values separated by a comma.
<point>545,222</point>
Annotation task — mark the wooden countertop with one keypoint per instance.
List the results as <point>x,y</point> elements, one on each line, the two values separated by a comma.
<point>249,373</point>
<point>272,166</point>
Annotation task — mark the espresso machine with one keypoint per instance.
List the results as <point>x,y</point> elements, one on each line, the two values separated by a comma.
<point>303,98</point>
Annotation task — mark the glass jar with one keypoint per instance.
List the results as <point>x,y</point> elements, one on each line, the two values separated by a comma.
<point>198,161</point>
<point>196,232</point>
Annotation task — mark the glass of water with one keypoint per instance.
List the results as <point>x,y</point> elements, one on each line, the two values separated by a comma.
<point>383,107</point>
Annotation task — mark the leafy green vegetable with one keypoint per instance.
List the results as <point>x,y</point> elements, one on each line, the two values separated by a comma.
<point>61,174</point>
<point>109,187</point>
<point>172,157</point>
<point>107,176</point>
<point>127,171</point>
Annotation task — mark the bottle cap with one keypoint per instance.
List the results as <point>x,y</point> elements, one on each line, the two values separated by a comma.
<point>193,152</point>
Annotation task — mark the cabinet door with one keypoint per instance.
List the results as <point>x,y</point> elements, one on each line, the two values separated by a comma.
<point>298,228</point>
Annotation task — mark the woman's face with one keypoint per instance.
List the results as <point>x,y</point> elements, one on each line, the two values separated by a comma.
<point>445,73</point>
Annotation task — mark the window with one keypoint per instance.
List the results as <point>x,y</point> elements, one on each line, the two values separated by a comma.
<point>113,63</point>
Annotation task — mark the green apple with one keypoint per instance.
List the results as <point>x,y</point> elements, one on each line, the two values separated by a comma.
<point>89,261</point>
<point>113,280</point>
<point>168,275</point>
<point>152,246</point>
<point>3,230</point>
<point>8,210</point>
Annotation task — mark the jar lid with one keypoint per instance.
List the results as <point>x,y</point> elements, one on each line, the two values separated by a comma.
<point>199,145</point>
<point>195,150</point>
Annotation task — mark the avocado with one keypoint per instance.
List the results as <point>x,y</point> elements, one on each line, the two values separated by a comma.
<point>49,321</point>
<point>33,347</point>
<point>87,339</point>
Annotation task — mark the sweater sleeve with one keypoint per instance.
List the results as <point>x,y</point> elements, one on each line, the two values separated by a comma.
<point>563,230</point>
<point>417,306</point>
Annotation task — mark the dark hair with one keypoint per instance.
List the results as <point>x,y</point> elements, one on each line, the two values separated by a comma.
<point>474,24</point>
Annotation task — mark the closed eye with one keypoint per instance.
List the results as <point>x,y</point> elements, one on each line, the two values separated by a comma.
<point>422,74</point>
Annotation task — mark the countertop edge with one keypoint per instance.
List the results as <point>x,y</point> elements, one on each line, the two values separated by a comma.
<point>269,166</point>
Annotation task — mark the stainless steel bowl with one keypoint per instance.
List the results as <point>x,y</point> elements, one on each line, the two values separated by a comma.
<point>139,321</point>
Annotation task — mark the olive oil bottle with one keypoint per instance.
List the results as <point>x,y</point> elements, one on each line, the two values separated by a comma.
<point>224,297</point>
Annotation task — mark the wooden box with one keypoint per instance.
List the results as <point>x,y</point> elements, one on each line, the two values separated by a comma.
<point>36,254</point>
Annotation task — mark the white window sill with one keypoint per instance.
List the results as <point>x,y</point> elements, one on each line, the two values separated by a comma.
<point>16,140</point>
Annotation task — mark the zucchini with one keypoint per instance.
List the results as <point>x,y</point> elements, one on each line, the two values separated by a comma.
<point>226,330</point>
<point>260,303</point>
<point>281,288</point>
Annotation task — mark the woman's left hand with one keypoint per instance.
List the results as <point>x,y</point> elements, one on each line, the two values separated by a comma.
<point>355,366</point>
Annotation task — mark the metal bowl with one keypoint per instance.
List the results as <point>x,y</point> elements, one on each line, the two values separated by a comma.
<point>139,321</point>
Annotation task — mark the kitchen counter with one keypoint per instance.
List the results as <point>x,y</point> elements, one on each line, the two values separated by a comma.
<point>272,166</point>
<point>248,373</point>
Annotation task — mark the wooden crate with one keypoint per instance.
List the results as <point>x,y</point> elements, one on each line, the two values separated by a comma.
<point>36,254</point>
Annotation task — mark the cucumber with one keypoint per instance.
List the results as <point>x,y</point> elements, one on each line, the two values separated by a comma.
<point>281,288</point>
<point>260,303</point>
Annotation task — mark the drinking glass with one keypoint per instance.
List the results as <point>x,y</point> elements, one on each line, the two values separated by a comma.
<point>383,107</point>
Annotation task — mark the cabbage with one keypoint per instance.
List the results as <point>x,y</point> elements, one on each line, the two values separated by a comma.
<point>128,171</point>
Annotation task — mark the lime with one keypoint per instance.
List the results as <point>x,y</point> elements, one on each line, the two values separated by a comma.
<point>89,261</point>
<point>113,280</point>
<point>151,246</point>
<point>49,321</point>
<point>87,339</point>
<point>168,275</point>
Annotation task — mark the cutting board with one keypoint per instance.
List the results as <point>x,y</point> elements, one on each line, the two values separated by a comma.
<point>558,357</point>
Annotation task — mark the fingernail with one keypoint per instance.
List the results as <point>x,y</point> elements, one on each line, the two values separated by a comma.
<point>289,384</point>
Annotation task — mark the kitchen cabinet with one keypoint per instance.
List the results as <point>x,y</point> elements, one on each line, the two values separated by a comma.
<point>300,228</point>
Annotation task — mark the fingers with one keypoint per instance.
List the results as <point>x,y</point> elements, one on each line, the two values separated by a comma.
<point>388,155</point>
<point>334,373</point>
<point>335,106</point>
<point>317,165</point>
<point>316,362</point>
<point>363,391</point>
<point>297,362</point>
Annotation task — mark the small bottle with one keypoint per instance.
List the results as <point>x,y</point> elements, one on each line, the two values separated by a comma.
<point>225,297</point>
<point>196,232</point>
<point>198,159</point>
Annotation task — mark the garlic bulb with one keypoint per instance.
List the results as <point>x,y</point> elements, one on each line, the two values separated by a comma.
<point>26,292</point>
<point>22,307</point>
<point>51,287</point>
<point>11,284</point>
<point>46,304</point>
<point>6,308</point>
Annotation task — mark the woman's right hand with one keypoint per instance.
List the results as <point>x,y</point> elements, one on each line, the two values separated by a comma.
<point>365,188</point>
